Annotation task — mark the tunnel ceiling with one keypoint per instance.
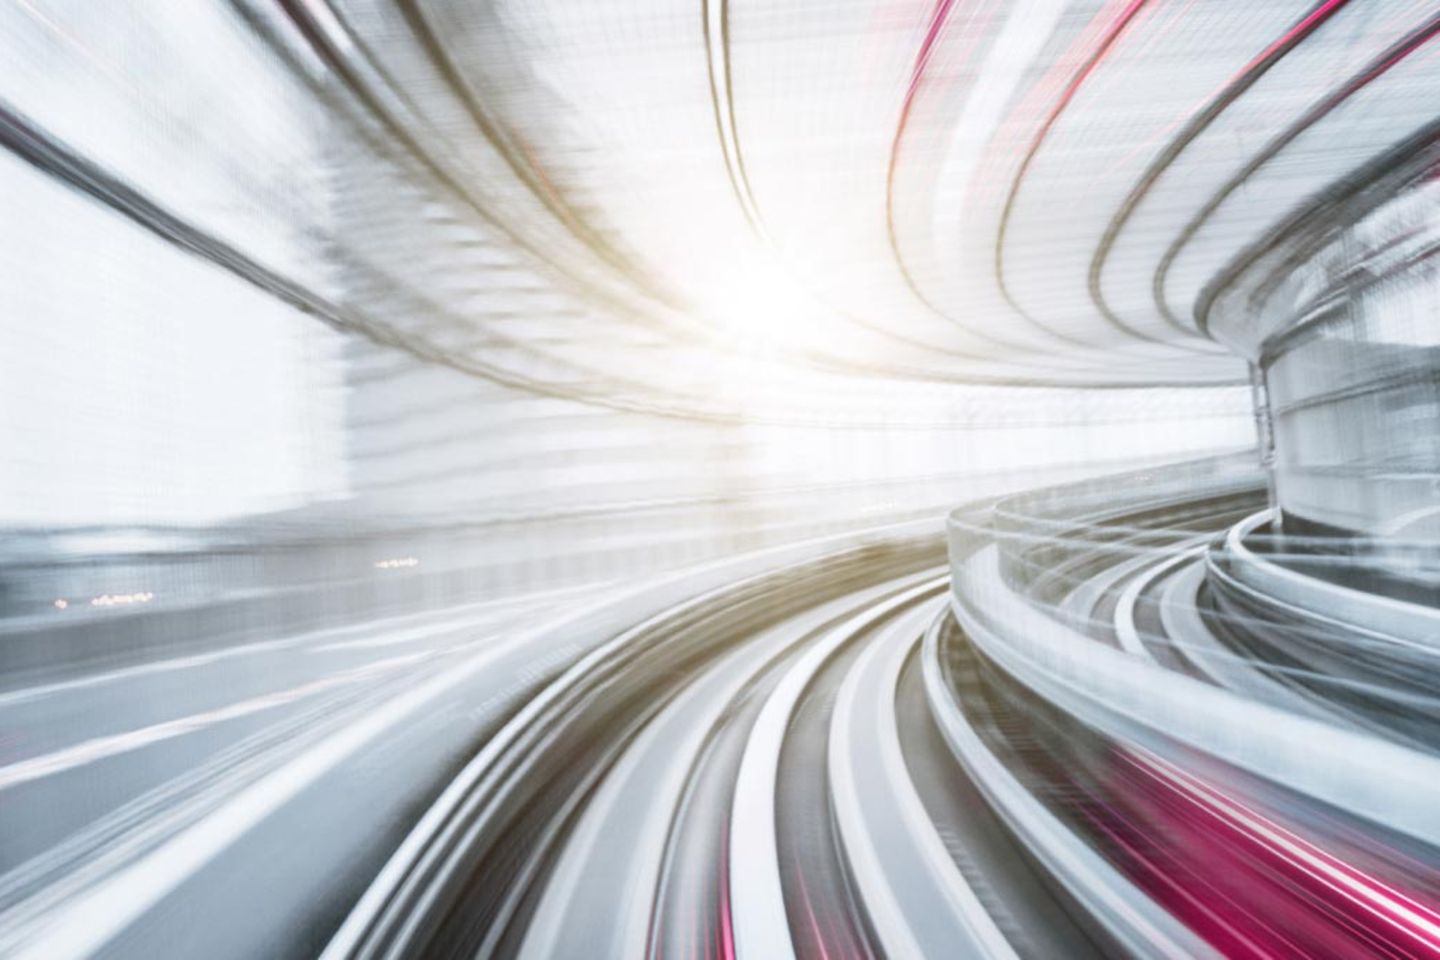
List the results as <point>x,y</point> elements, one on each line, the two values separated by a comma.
<point>653,204</point>
<point>952,189</point>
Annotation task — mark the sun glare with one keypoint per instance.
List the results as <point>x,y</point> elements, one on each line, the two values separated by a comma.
<point>766,310</point>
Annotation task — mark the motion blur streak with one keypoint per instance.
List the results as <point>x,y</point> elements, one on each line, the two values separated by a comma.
<point>729,479</point>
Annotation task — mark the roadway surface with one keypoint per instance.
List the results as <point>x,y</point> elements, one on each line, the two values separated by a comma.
<point>831,750</point>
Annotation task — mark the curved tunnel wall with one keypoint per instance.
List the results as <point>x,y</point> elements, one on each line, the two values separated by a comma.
<point>1341,317</point>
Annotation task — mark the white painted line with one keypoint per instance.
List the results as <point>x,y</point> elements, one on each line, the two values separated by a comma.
<point>918,902</point>
<point>83,925</point>
<point>757,897</point>
<point>457,618</point>
<point>102,748</point>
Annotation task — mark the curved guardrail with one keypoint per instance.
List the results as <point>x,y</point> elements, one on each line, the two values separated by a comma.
<point>1301,596</point>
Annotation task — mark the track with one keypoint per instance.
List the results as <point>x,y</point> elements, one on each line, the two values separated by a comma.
<point>848,770</point>
<point>837,749</point>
